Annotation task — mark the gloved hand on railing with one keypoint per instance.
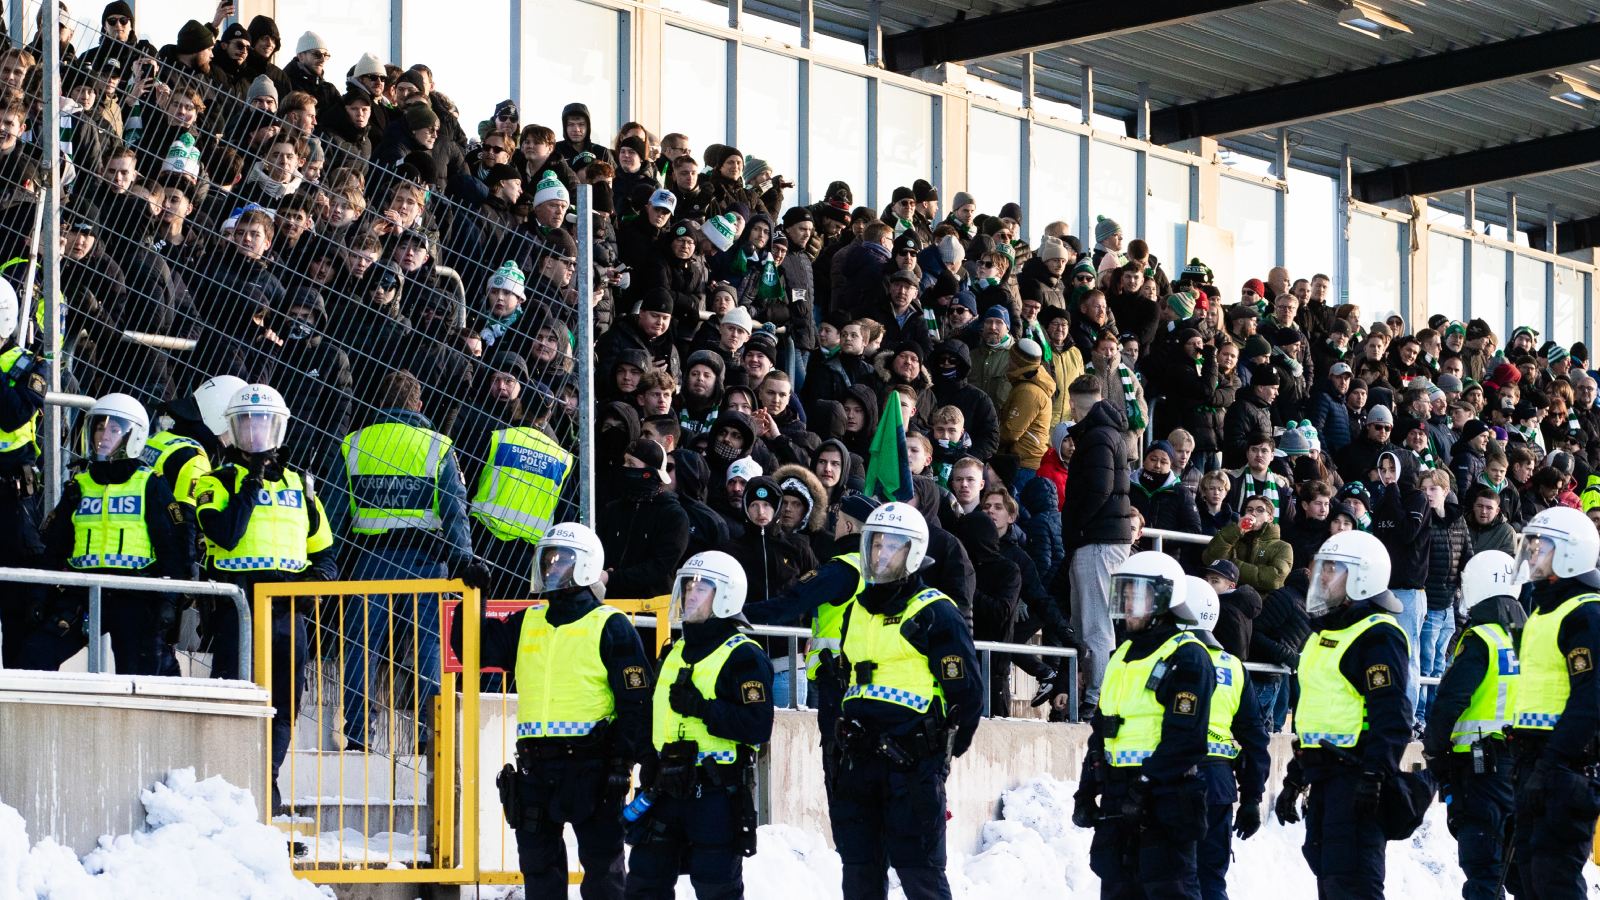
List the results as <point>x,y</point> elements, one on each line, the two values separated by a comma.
<point>474,574</point>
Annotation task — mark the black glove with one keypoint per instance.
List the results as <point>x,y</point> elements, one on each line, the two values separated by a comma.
<point>1247,821</point>
<point>474,575</point>
<point>250,487</point>
<point>686,700</point>
<point>649,769</point>
<point>1085,810</point>
<point>619,778</point>
<point>1288,804</point>
<point>1369,787</point>
<point>1137,803</point>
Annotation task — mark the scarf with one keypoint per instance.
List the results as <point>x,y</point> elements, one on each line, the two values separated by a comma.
<point>277,190</point>
<point>931,320</point>
<point>1293,364</point>
<point>1341,351</point>
<point>981,284</point>
<point>966,231</point>
<point>1573,428</point>
<point>1036,331</point>
<point>1426,461</point>
<point>901,226</point>
<point>1251,487</point>
<point>1529,433</point>
<point>1130,395</point>
<point>1365,522</point>
<point>694,427</point>
<point>1199,370</point>
<point>1483,479</point>
<point>496,328</point>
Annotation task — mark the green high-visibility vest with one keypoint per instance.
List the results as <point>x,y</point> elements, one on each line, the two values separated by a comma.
<point>161,447</point>
<point>1494,700</point>
<point>562,684</point>
<point>1224,704</point>
<point>519,488</point>
<point>1126,692</point>
<point>108,530</point>
<point>279,536</point>
<point>827,623</point>
<point>26,434</point>
<point>900,675</point>
<point>1543,685</point>
<point>669,725</point>
<point>1330,707</point>
<point>394,477</point>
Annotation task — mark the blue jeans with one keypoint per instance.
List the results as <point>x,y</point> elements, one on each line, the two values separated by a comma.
<point>1267,702</point>
<point>413,668</point>
<point>780,688</point>
<point>1437,627</point>
<point>1414,606</point>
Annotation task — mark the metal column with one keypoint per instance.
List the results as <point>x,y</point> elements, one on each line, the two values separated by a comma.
<point>585,354</point>
<point>50,249</point>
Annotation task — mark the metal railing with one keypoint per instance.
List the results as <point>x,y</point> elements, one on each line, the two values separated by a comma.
<point>96,583</point>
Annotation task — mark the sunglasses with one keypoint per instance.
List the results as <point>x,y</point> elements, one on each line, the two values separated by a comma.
<point>118,21</point>
<point>1383,427</point>
<point>507,117</point>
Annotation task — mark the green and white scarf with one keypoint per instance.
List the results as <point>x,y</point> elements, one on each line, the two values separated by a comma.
<point>1130,395</point>
<point>931,319</point>
<point>901,226</point>
<point>1483,479</point>
<point>1426,461</point>
<point>980,284</point>
<point>1036,331</point>
<point>1252,487</point>
<point>494,328</point>
<point>1200,370</point>
<point>1573,427</point>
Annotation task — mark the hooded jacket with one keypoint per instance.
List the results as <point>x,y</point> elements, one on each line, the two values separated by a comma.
<point>1263,558</point>
<point>1025,420</point>
<point>1248,415</point>
<point>887,379</point>
<point>999,581</point>
<point>1097,490</point>
<point>1169,505</point>
<point>1200,396</point>
<point>1236,620</point>
<point>1356,460</point>
<point>982,422</point>
<point>860,442</point>
<point>644,541</point>
<point>625,335</point>
<point>1403,520</point>
<point>771,559</point>
<point>1281,628</point>
<point>567,149</point>
<point>707,529</point>
<point>1034,279</point>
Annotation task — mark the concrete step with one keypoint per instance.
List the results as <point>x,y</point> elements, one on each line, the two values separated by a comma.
<point>332,776</point>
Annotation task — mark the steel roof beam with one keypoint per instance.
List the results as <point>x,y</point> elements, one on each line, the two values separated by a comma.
<point>1479,167</point>
<point>1375,86</point>
<point>1577,235</point>
<point>1039,27</point>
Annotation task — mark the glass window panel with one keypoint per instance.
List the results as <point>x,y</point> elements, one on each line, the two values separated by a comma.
<point>472,70</point>
<point>769,110</point>
<point>697,68</point>
<point>1530,293</point>
<point>1489,287</point>
<point>1250,211</point>
<point>1113,174</point>
<point>994,160</point>
<point>1166,209</point>
<point>905,151</point>
<point>1374,265</point>
<point>350,28</point>
<point>158,23</point>
<point>1446,275</point>
<point>1310,208</point>
<point>1568,307</point>
<point>569,55</point>
<point>838,131</point>
<point>1054,181</point>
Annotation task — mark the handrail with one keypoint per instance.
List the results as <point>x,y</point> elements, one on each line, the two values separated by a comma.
<point>134,583</point>
<point>1162,535</point>
<point>1274,669</point>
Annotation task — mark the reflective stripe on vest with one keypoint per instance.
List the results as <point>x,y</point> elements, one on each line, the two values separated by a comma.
<point>669,725</point>
<point>1125,693</point>
<point>160,448</point>
<point>1494,700</point>
<point>1224,704</point>
<point>108,530</point>
<point>24,436</point>
<point>1543,683</point>
<point>900,675</point>
<point>520,486</point>
<point>394,477</point>
<point>276,537</point>
<point>563,688</point>
<point>827,623</point>
<point>1330,707</point>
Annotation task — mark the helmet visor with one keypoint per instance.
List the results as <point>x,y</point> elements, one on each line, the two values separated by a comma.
<point>1330,586</point>
<point>1137,599</point>
<point>555,568</point>
<point>258,431</point>
<point>1535,559</point>
<point>692,599</point>
<point>106,437</point>
<point>886,556</point>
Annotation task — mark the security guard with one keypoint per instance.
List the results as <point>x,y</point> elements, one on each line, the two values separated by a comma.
<point>114,519</point>
<point>22,389</point>
<point>1558,712</point>
<point>1465,742</point>
<point>712,709</point>
<point>1150,736</point>
<point>263,523</point>
<point>912,702</point>
<point>1353,720</point>
<point>524,474</point>
<point>1237,759</point>
<point>195,443</point>
<point>583,716</point>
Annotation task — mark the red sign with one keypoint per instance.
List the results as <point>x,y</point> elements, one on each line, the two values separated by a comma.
<point>499,609</point>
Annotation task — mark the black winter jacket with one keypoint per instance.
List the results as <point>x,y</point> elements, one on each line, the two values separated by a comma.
<point>644,541</point>
<point>1245,417</point>
<point>1402,519</point>
<point>1281,628</point>
<point>982,422</point>
<point>1201,397</point>
<point>1236,622</point>
<point>1097,491</point>
<point>1451,548</point>
<point>999,580</point>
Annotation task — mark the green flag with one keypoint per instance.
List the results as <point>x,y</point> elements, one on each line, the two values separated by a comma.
<point>889,471</point>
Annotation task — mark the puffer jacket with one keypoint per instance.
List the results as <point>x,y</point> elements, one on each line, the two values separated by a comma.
<point>1097,491</point>
<point>1452,547</point>
<point>1043,527</point>
<point>1263,558</point>
<point>1281,628</point>
<point>1025,420</point>
<point>1236,619</point>
<point>1328,413</point>
<point>1200,397</point>
<point>989,365</point>
<point>1066,365</point>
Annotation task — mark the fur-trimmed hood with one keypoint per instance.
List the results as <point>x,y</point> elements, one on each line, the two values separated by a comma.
<point>819,494</point>
<point>880,366</point>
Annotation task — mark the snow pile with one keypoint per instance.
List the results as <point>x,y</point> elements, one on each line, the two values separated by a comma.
<point>203,842</point>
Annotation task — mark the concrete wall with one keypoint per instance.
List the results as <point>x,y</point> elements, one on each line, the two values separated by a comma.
<point>77,750</point>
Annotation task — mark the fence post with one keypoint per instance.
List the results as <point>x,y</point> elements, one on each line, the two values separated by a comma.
<point>794,672</point>
<point>985,659</point>
<point>49,247</point>
<point>97,657</point>
<point>584,352</point>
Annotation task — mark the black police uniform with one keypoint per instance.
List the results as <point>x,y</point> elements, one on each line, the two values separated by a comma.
<point>1243,779</point>
<point>580,780</point>
<point>1477,789</point>
<point>707,830</point>
<point>888,806</point>
<point>1151,816</point>
<point>21,509</point>
<point>1344,844</point>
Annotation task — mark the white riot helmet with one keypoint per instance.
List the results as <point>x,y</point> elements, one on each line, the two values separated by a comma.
<point>1491,573</point>
<point>10,310</point>
<point>213,399</point>
<point>569,555</point>
<point>257,419</point>
<point>116,428</point>
<point>1146,585</point>
<point>710,585</point>
<point>894,540</point>
<point>1200,610</point>
<point>1557,543</point>
<point>1351,565</point>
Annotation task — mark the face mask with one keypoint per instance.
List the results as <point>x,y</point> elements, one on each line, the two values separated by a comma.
<point>612,441</point>
<point>299,331</point>
<point>638,484</point>
<point>724,452</point>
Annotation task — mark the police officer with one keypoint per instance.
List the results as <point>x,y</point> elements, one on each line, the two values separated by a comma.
<point>524,475</point>
<point>263,523</point>
<point>583,716</point>
<point>1237,760</point>
<point>712,707</point>
<point>912,701</point>
<point>1353,719</point>
<point>1465,742</point>
<point>22,388</point>
<point>1150,736</point>
<point>1558,712</point>
<point>114,519</point>
<point>195,443</point>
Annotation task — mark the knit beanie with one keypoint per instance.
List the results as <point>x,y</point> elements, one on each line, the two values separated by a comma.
<point>1026,352</point>
<point>1255,346</point>
<point>923,191</point>
<point>265,26</point>
<point>420,116</point>
<point>1196,271</point>
<point>194,37</point>
<point>962,199</point>
<point>1183,304</point>
<point>902,193</point>
<point>183,157</point>
<point>509,277</point>
<point>1012,211</point>
<point>950,250</point>
<point>794,215</point>
<point>1104,228</point>
<point>500,172</point>
<point>310,41</point>
<point>1557,353</point>
<point>549,188</point>
<point>720,231</point>
<point>1050,248</point>
<point>635,143</point>
<point>261,87</point>
<point>368,64</point>
<point>998,312</point>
